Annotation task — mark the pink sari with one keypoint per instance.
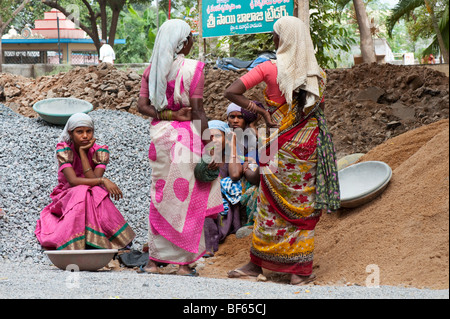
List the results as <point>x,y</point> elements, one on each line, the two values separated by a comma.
<point>179,203</point>
<point>81,216</point>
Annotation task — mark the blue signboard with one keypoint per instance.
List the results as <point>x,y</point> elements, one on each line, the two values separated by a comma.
<point>231,17</point>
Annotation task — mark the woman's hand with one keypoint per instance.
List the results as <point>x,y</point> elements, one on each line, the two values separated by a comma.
<point>213,165</point>
<point>182,115</point>
<point>88,146</point>
<point>264,113</point>
<point>268,119</point>
<point>112,188</point>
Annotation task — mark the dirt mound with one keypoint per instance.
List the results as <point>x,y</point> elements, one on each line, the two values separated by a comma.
<point>404,232</point>
<point>102,85</point>
<point>370,103</point>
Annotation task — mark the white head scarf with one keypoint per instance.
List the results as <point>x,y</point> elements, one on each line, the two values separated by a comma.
<point>171,37</point>
<point>233,108</point>
<point>76,120</point>
<point>296,61</point>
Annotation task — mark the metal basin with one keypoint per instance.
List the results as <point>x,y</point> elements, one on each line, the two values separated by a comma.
<point>58,110</point>
<point>82,260</point>
<point>363,182</point>
<point>348,160</point>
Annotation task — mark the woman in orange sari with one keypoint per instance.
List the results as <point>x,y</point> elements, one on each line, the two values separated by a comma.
<point>300,178</point>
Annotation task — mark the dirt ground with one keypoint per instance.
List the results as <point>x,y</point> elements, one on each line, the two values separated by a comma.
<point>395,114</point>
<point>404,232</point>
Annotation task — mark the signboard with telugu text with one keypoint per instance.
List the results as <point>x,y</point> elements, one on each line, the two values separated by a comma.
<point>232,17</point>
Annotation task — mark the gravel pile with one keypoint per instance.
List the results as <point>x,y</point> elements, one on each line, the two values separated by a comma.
<point>28,174</point>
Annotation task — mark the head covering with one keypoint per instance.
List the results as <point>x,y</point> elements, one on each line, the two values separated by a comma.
<point>201,171</point>
<point>171,37</point>
<point>76,120</point>
<point>219,125</point>
<point>249,117</point>
<point>233,108</point>
<point>296,61</point>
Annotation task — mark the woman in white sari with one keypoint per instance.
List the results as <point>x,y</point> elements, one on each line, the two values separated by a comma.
<point>172,95</point>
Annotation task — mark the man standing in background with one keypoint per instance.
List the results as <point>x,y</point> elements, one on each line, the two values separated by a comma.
<point>106,53</point>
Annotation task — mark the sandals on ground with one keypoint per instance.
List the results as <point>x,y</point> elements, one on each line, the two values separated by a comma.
<point>143,271</point>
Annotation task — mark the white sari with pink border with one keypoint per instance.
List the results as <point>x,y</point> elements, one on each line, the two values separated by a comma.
<point>179,203</point>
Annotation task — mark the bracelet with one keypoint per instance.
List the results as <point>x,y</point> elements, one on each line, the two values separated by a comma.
<point>87,170</point>
<point>166,115</point>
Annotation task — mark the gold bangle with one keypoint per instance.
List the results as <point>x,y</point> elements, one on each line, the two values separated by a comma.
<point>87,170</point>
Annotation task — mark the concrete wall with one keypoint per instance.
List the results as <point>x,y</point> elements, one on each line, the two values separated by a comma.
<point>37,70</point>
<point>439,67</point>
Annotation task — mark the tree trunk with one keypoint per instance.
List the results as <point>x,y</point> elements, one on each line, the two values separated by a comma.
<point>444,51</point>
<point>103,19</point>
<point>303,11</point>
<point>3,26</point>
<point>367,45</point>
<point>1,52</point>
<point>113,27</point>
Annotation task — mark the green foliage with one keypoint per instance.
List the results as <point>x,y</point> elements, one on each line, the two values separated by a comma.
<point>419,21</point>
<point>249,46</point>
<point>403,9</point>
<point>328,33</point>
<point>433,48</point>
<point>139,29</point>
<point>7,9</point>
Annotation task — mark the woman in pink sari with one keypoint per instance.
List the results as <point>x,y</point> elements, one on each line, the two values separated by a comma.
<point>172,95</point>
<point>82,214</point>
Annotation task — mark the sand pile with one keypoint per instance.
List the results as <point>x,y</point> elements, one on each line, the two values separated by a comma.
<point>404,231</point>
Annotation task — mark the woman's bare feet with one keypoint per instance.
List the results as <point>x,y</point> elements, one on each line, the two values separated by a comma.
<point>185,270</point>
<point>150,267</point>
<point>249,270</point>
<point>302,280</point>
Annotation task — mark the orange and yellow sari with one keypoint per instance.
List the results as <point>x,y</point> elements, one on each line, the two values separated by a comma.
<point>293,183</point>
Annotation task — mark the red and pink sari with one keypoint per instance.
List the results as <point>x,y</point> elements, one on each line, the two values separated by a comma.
<point>82,216</point>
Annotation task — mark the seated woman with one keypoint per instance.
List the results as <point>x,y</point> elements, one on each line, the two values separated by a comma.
<point>243,124</point>
<point>82,215</point>
<point>225,159</point>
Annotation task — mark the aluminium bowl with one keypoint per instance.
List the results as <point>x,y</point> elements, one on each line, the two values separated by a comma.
<point>81,260</point>
<point>362,182</point>
<point>58,110</point>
